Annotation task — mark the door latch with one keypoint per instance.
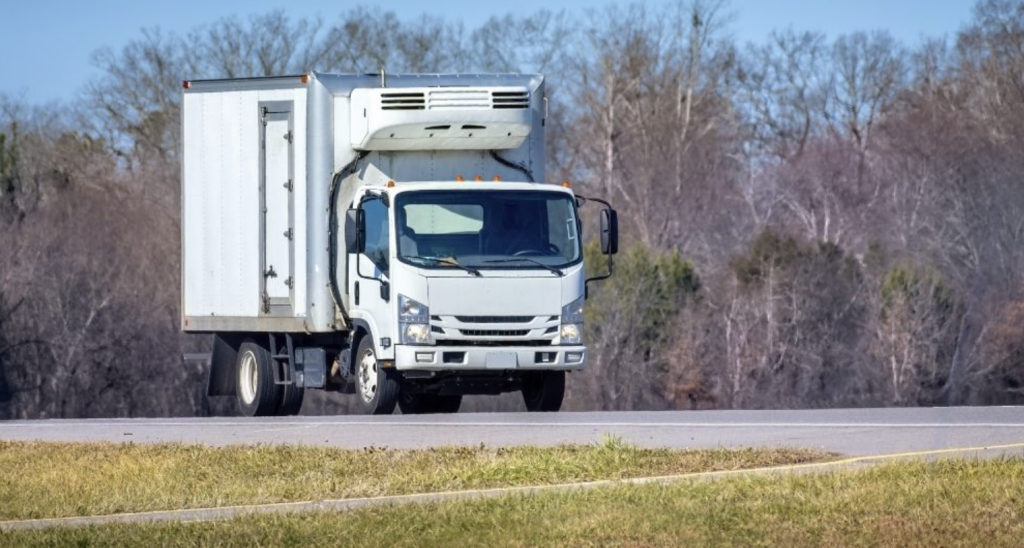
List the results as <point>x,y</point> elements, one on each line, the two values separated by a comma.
<point>270,273</point>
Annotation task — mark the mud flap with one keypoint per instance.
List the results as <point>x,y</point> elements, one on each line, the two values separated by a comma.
<point>222,364</point>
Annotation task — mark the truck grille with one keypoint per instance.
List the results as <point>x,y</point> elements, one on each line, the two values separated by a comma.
<point>494,319</point>
<point>494,332</point>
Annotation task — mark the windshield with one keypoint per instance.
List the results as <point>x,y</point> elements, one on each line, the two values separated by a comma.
<point>487,229</point>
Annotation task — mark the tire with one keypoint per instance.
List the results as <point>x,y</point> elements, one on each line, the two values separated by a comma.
<point>422,404</point>
<point>291,400</point>
<point>258,394</point>
<point>544,390</point>
<point>376,387</point>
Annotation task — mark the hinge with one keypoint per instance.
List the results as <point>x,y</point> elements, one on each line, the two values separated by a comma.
<point>263,115</point>
<point>288,234</point>
<point>288,137</point>
<point>289,282</point>
<point>288,185</point>
<point>266,303</point>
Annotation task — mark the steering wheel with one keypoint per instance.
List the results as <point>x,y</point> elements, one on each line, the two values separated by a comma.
<point>552,250</point>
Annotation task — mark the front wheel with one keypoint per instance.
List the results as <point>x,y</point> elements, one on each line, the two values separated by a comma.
<point>544,390</point>
<point>376,386</point>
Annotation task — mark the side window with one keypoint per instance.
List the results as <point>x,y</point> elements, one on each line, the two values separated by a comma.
<point>378,234</point>
<point>562,228</point>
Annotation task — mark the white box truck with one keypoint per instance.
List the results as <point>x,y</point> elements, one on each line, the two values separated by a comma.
<point>391,237</point>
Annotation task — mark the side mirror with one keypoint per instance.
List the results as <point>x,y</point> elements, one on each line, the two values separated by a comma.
<point>355,231</point>
<point>609,231</point>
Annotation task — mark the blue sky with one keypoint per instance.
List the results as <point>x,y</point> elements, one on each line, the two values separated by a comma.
<point>45,45</point>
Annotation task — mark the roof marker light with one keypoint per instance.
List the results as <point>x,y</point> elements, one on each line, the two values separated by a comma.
<point>460,179</point>
<point>186,84</point>
<point>478,178</point>
<point>391,184</point>
<point>497,178</point>
<point>566,184</point>
<point>304,78</point>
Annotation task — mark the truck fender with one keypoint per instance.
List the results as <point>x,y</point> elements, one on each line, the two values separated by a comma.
<point>222,363</point>
<point>361,329</point>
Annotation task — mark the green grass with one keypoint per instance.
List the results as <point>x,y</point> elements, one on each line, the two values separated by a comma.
<point>907,504</point>
<point>41,480</point>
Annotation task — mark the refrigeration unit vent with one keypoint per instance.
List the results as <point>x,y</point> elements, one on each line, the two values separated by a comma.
<point>402,101</point>
<point>510,99</point>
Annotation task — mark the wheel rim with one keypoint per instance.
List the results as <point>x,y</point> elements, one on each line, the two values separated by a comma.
<point>248,377</point>
<point>368,376</point>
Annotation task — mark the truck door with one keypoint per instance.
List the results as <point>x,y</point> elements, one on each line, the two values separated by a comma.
<point>276,207</point>
<point>370,271</point>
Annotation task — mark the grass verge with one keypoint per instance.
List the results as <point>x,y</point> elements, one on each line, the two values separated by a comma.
<point>906,504</point>
<point>42,480</point>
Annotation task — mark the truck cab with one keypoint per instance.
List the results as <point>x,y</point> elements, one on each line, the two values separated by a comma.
<point>470,287</point>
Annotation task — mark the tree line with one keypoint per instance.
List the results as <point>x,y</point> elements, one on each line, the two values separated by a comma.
<point>807,221</point>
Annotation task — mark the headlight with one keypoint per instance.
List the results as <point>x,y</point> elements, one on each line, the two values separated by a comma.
<point>571,330</point>
<point>413,321</point>
<point>415,333</point>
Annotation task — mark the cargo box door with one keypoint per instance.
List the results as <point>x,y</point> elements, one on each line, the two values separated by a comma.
<point>276,207</point>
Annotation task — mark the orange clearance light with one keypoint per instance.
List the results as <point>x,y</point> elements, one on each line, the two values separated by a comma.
<point>460,179</point>
<point>304,78</point>
<point>566,184</point>
<point>497,178</point>
<point>391,184</point>
<point>186,84</point>
<point>478,178</point>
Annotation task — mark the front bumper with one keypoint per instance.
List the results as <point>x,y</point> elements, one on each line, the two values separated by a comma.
<point>490,358</point>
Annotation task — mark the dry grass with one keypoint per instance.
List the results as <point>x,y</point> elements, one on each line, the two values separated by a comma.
<point>909,504</point>
<point>39,480</point>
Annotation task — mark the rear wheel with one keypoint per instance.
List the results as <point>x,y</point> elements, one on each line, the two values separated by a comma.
<point>258,394</point>
<point>291,400</point>
<point>376,386</point>
<point>544,390</point>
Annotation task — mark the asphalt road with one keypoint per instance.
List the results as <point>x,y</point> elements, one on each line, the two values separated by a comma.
<point>847,431</point>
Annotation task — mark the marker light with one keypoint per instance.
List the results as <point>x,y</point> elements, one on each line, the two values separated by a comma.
<point>566,184</point>
<point>478,178</point>
<point>460,179</point>
<point>186,84</point>
<point>391,184</point>
<point>304,78</point>
<point>497,178</point>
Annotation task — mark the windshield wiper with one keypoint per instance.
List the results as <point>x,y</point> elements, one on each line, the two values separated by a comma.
<point>529,260</point>
<point>446,260</point>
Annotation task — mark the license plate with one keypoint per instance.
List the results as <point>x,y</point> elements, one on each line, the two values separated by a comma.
<point>502,360</point>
